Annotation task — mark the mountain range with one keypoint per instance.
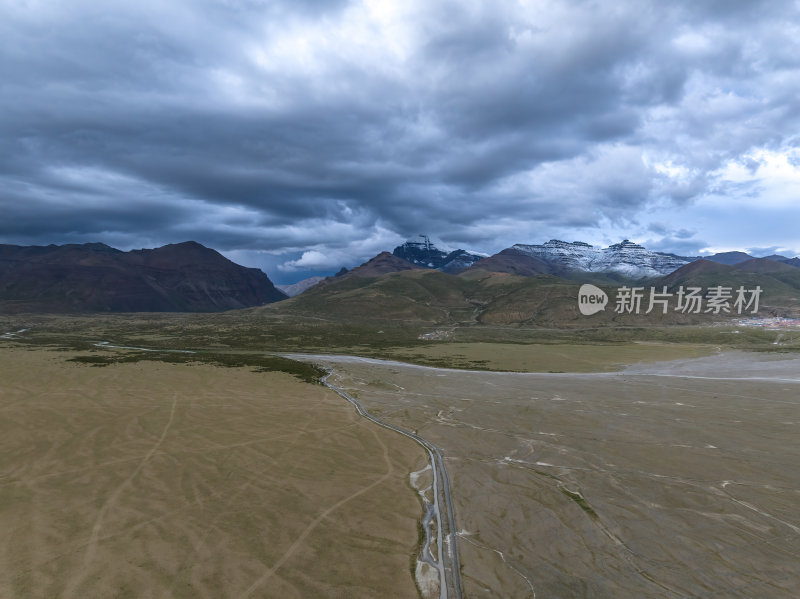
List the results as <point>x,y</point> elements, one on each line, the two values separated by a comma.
<point>189,277</point>
<point>93,277</point>
<point>625,258</point>
<point>482,296</point>
<point>577,260</point>
<point>732,258</point>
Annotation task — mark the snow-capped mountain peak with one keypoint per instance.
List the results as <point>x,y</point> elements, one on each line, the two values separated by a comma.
<point>626,258</point>
<point>427,255</point>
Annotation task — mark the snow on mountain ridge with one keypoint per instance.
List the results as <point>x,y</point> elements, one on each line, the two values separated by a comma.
<point>626,258</point>
<point>426,254</point>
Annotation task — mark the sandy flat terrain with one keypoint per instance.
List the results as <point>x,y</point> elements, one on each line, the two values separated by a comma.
<point>666,480</point>
<point>163,480</point>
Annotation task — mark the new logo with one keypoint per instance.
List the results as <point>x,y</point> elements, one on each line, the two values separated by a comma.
<point>591,299</point>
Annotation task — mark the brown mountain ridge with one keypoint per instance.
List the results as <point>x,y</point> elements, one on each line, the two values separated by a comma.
<point>94,277</point>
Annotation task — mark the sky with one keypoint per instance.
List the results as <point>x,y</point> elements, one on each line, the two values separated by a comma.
<point>300,136</point>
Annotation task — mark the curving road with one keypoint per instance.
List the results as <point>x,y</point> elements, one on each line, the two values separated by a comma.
<point>447,563</point>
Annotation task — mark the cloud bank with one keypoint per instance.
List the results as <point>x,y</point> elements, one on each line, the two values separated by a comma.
<point>302,136</point>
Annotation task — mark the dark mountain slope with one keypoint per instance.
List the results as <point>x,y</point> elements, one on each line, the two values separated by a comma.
<point>699,272</point>
<point>381,264</point>
<point>183,277</point>
<point>729,258</point>
<point>780,283</point>
<point>513,262</point>
<point>432,297</point>
<point>784,272</point>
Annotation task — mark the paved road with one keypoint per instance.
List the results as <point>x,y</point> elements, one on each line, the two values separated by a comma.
<point>448,563</point>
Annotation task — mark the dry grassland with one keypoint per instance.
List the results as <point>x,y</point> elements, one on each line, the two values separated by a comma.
<point>674,481</point>
<point>164,480</point>
<point>551,357</point>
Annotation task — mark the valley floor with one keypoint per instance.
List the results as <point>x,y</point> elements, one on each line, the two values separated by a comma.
<point>674,479</point>
<point>156,479</point>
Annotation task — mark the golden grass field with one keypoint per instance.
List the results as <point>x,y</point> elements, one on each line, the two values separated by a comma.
<point>166,480</point>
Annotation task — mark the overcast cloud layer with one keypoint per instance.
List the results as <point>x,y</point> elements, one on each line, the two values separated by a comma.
<point>301,136</point>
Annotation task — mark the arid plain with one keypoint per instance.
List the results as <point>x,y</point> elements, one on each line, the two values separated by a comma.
<point>674,476</point>
<point>151,479</point>
<point>675,479</point>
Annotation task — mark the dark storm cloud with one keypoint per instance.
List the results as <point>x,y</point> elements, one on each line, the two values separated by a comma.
<point>342,127</point>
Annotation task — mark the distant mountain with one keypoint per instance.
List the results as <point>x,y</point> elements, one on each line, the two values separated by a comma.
<point>793,262</point>
<point>300,286</point>
<point>381,264</point>
<point>765,265</point>
<point>625,258</point>
<point>780,283</point>
<point>732,258</point>
<point>790,261</point>
<point>93,277</point>
<point>426,255</point>
<point>729,258</point>
<point>784,272</point>
<point>474,297</point>
<point>535,284</point>
<point>698,272</point>
<point>430,296</point>
<point>513,262</point>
